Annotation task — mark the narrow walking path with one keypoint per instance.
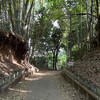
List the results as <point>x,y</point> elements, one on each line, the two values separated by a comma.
<point>43,87</point>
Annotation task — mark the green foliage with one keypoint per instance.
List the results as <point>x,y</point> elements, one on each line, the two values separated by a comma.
<point>34,20</point>
<point>49,59</point>
<point>61,59</point>
<point>40,62</point>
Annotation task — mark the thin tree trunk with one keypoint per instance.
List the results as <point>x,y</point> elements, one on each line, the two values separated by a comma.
<point>97,4</point>
<point>15,16</point>
<point>0,7</point>
<point>24,11</point>
<point>26,7</point>
<point>11,15</point>
<point>81,25</point>
<point>87,27</point>
<point>56,59</point>
<point>28,18</point>
<point>70,37</point>
<point>5,11</point>
<point>0,15</point>
<point>77,31</point>
<point>91,20</point>
<point>29,12</point>
<point>18,16</point>
<point>53,59</point>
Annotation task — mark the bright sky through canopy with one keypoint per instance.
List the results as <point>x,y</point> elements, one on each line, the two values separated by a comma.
<point>55,23</point>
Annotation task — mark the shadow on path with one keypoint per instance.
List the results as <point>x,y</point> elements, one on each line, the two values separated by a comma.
<point>43,86</point>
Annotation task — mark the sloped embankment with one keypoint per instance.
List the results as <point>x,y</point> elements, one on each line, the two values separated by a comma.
<point>13,51</point>
<point>88,68</point>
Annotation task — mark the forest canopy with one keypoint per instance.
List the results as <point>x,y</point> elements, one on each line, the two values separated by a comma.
<point>50,26</point>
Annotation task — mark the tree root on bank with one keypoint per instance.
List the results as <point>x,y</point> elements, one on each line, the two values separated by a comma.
<point>13,53</point>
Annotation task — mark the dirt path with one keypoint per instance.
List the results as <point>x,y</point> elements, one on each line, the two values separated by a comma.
<point>43,87</point>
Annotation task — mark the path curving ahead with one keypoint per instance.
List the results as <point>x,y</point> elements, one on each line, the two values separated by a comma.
<point>43,87</point>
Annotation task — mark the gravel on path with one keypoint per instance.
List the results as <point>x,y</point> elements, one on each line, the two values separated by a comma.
<point>44,87</point>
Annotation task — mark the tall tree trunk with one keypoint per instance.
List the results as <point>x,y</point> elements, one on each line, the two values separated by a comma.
<point>90,26</point>
<point>1,14</point>
<point>53,59</point>
<point>29,12</point>
<point>11,15</point>
<point>97,3</point>
<point>28,18</point>
<point>19,16</point>
<point>6,13</point>
<point>16,16</point>
<point>81,26</point>
<point>6,16</point>
<point>87,27</point>
<point>77,30</point>
<point>56,58</point>
<point>70,36</point>
<point>0,9</point>
<point>24,11</point>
